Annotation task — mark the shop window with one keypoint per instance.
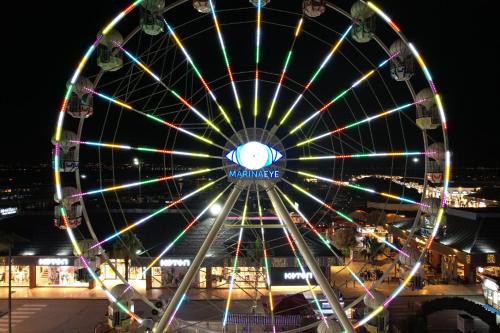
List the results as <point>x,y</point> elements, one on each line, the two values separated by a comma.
<point>47,276</point>
<point>20,276</point>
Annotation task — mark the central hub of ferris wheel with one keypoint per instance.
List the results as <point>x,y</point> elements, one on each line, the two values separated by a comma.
<point>257,156</point>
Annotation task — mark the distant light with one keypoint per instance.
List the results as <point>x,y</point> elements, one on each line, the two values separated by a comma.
<point>480,269</point>
<point>415,160</point>
<point>137,251</point>
<point>63,253</point>
<point>215,209</point>
<point>28,253</point>
<point>83,176</point>
<point>136,161</point>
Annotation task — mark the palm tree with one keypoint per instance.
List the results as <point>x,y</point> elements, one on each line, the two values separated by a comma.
<point>344,239</point>
<point>127,247</point>
<point>7,242</point>
<point>372,248</point>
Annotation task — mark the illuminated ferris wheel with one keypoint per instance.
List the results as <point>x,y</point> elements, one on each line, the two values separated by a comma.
<point>254,124</point>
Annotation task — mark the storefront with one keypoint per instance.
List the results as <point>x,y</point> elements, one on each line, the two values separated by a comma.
<point>135,276</point>
<point>491,291</point>
<point>57,272</point>
<point>20,275</point>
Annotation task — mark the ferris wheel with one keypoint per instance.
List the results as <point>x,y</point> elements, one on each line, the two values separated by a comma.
<point>253,122</point>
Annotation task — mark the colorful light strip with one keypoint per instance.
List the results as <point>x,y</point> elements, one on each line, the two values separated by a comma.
<point>197,71</point>
<point>303,271</point>
<point>235,264</point>
<point>266,263</point>
<point>324,241</point>
<point>382,114</point>
<point>144,182</point>
<point>152,117</point>
<point>285,67</point>
<point>173,92</point>
<point>159,211</point>
<point>257,60</point>
<point>343,93</point>
<point>394,294</point>
<point>145,149</point>
<point>389,154</point>
<point>383,15</point>
<point>58,131</point>
<point>183,232</point>
<point>315,75</point>
<point>224,53</point>
<point>360,188</point>
<point>177,307</point>
<point>344,216</point>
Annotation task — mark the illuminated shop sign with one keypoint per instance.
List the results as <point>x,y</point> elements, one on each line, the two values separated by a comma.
<point>252,160</point>
<point>175,263</point>
<point>53,262</point>
<point>8,211</point>
<point>291,276</point>
<point>297,276</point>
<point>254,174</point>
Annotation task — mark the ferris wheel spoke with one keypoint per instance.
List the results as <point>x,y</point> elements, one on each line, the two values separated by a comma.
<point>257,60</point>
<point>324,241</point>
<point>174,93</point>
<point>200,76</point>
<point>235,264</point>
<point>152,117</point>
<point>159,211</point>
<point>355,124</point>
<point>355,156</point>
<point>359,188</point>
<point>144,182</point>
<point>356,83</point>
<point>226,57</point>
<point>303,271</point>
<point>343,216</point>
<point>315,75</point>
<point>266,262</point>
<point>183,232</point>
<point>297,31</point>
<point>143,149</point>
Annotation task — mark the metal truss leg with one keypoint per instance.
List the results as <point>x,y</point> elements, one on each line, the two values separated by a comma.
<point>198,260</point>
<point>283,214</point>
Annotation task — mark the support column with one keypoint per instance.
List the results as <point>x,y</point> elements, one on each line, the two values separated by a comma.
<point>283,214</point>
<point>32,278</point>
<point>198,260</point>
<point>149,280</point>
<point>208,277</point>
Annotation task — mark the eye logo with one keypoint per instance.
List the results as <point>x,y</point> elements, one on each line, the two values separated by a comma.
<point>254,155</point>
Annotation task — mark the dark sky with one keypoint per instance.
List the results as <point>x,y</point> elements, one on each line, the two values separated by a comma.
<point>42,44</point>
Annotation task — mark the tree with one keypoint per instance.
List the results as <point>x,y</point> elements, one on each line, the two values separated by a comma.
<point>344,239</point>
<point>371,248</point>
<point>126,247</point>
<point>7,242</point>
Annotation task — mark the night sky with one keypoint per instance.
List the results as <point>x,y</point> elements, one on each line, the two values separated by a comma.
<point>42,44</point>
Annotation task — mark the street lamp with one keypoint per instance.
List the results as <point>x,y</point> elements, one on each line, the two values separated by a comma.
<point>215,209</point>
<point>138,164</point>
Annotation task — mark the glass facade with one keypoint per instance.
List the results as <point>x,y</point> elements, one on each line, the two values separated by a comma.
<point>20,276</point>
<point>61,276</point>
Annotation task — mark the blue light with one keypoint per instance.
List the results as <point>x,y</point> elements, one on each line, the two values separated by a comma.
<point>254,155</point>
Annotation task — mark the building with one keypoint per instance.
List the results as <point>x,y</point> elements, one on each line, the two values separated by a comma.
<point>467,243</point>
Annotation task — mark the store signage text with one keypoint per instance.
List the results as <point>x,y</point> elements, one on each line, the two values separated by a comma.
<point>8,211</point>
<point>53,262</point>
<point>297,276</point>
<point>175,262</point>
<point>254,174</point>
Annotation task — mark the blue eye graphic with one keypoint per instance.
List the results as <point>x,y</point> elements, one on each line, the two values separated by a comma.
<point>254,155</point>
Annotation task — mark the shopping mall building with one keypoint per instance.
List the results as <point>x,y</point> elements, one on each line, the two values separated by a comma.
<point>46,259</point>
